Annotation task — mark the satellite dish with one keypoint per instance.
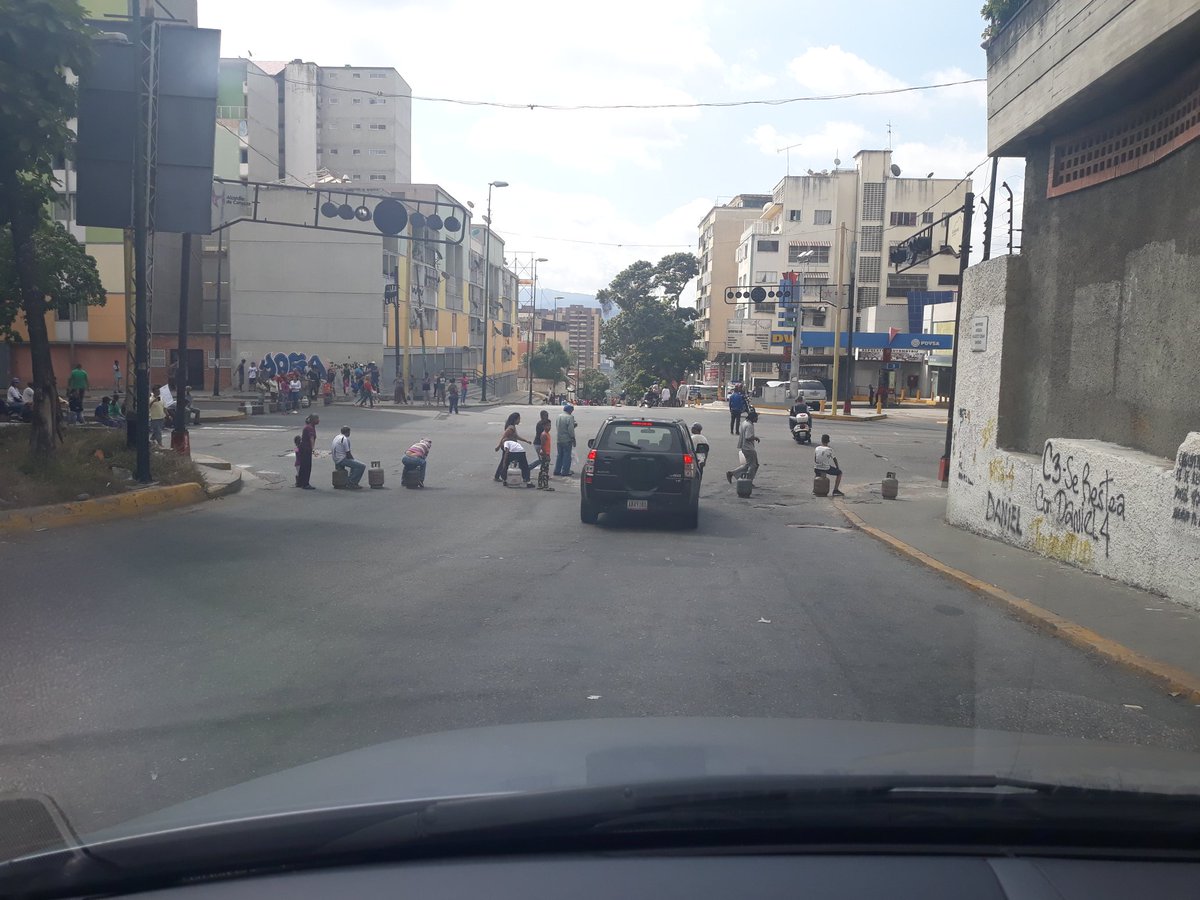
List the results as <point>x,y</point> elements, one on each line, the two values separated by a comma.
<point>811,172</point>
<point>895,170</point>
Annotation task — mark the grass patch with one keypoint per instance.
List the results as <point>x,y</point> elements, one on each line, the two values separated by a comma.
<point>76,469</point>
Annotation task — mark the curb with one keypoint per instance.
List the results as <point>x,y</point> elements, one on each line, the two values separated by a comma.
<point>215,490</point>
<point>102,509</point>
<point>1176,680</point>
<point>842,417</point>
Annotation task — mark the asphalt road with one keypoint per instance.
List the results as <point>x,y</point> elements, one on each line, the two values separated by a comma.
<point>148,661</point>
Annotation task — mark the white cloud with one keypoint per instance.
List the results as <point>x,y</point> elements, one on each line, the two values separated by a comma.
<point>971,93</point>
<point>817,149</point>
<point>832,70</point>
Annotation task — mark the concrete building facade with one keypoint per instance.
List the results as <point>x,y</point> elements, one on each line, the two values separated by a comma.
<point>1076,430</point>
<point>583,334</point>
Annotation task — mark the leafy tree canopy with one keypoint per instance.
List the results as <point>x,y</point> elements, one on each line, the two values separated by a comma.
<point>63,274</point>
<point>592,386</point>
<point>651,338</point>
<point>550,361</point>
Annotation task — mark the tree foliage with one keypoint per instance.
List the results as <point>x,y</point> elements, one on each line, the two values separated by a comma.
<point>592,386</point>
<point>550,361</point>
<point>651,338</point>
<point>40,42</point>
<point>64,274</point>
<point>998,12</point>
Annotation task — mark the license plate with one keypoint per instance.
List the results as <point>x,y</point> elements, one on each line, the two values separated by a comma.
<point>637,504</point>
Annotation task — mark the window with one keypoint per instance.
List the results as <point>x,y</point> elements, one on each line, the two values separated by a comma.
<point>900,285</point>
<point>357,125</point>
<point>379,74</point>
<point>244,155</point>
<point>377,101</point>
<point>904,219</point>
<point>62,312</point>
<point>333,151</point>
<point>868,269</point>
<point>379,178</point>
<point>872,238</point>
<point>768,246</point>
<point>333,100</point>
<point>947,280</point>
<point>927,218</point>
<point>356,99</point>
<point>622,435</point>
<point>356,151</point>
<point>377,151</point>
<point>356,75</point>
<point>823,217</point>
<point>872,205</point>
<point>375,126</point>
<point>868,296</point>
<point>795,215</point>
<point>356,177</point>
<point>820,254</point>
<point>768,278</point>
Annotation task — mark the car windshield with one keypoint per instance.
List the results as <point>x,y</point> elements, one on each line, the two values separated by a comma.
<point>352,351</point>
<point>635,436</point>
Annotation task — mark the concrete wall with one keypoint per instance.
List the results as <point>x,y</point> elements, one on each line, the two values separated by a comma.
<point>1057,56</point>
<point>303,291</point>
<point>300,121</point>
<point>1094,504</point>
<point>1109,320</point>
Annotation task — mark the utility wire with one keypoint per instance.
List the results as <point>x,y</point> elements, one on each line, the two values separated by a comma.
<point>699,104</point>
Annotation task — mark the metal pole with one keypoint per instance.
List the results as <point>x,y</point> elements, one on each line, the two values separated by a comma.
<point>837,316</point>
<point>529,350</point>
<point>991,201</point>
<point>396,318</point>
<point>141,224</point>
<point>963,261</point>
<point>217,333</point>
<point>487,288</point>
<point>179,435</point>
<point>851,325</point>
<point>71,331</point>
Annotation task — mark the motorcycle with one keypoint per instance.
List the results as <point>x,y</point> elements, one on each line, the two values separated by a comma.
<point>800,426</point>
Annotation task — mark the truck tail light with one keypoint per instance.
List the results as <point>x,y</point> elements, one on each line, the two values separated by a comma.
<point>689,466</point>
<point>589,467</point>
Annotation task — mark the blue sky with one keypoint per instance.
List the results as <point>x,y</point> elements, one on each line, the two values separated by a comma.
<point>643,177</point>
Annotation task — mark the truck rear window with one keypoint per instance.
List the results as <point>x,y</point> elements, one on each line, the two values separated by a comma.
<point>652,438</point>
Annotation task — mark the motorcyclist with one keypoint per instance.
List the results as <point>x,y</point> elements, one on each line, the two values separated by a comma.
<point>797,414</point>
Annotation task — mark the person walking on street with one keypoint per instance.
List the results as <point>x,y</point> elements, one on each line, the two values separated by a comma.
<point>564,433</point>
<point>116,376</point>
<point>304,453</point>
<point>344,459</point>
<point>737,406</point>
<point>746,441</point>
<point>454,398</point>
<point>252,375</point>
<point>462,395</point>
<point>825,463</point>
<point>294,388</point>
<point>157,414</point>
<point>241,375</point>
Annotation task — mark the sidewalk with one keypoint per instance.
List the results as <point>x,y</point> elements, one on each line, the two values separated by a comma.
<point>1131,628</point>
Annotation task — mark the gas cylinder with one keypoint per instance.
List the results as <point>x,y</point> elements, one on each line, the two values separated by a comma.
<point>891,486</point>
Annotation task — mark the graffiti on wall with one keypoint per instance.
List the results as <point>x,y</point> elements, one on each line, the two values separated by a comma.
<point>281,363</point>
<point>1075,498</point>
<point>1004,514</point>
<point>966,440</point>
<point>1186,509</point>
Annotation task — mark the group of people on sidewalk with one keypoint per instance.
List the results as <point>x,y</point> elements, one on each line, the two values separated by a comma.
<point>512,448</point>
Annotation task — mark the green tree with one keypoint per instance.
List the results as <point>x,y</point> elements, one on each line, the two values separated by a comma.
<point>40,40</point>
<point>64,272</point>
<point>998,12</point>
<point>651,338</point>
<point>592,386</point>
<point>550,361</point>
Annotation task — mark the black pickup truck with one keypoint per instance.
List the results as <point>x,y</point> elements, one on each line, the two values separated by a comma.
<point>641,466</point>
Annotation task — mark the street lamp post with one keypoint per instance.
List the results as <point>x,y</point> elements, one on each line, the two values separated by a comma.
<point>487,283</point>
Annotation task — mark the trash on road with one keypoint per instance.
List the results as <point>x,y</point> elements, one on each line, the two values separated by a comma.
<point>763,621</point>
<point>1131,706</point>
<point>593,696</point>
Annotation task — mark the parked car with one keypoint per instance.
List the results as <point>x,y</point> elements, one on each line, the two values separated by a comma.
<point>813,393</point>
<point>643,466</point>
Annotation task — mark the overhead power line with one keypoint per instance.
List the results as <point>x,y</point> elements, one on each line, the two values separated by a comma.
<point>697,104</point>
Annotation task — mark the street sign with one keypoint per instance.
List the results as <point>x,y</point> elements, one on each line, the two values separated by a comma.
<point>892,366</point>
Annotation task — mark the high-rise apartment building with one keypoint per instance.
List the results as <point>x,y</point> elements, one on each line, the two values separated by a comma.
<point>720,231</point>
<point>583,334</point>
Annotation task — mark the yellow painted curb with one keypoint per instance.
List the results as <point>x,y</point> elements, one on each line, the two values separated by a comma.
<point>1176,680</point>
<point>102,509</point>
<point>842,417</point>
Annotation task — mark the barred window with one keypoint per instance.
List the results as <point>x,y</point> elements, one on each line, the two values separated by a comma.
<point>872,238</point>
<point>868,296</point>
<point>872,208</point>
<point>868,269</point>
<point>820,253</point>
<point>823,217</point>
<point>904,219</point>
<point>900,285</point>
